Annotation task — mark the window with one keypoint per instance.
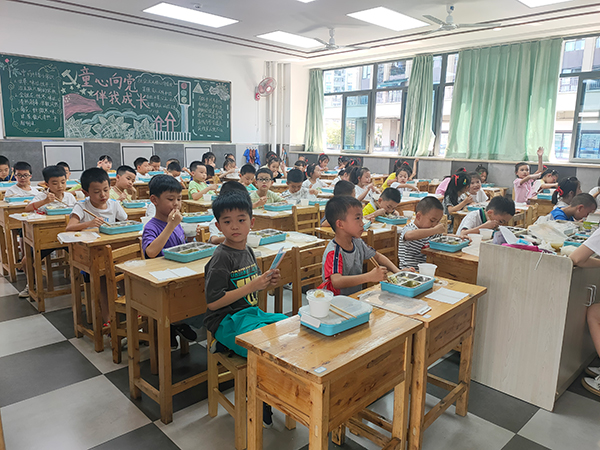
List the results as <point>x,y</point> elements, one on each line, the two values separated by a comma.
<point>355,123</point>
<point>587,138</point>
<point>388,121</point>
<point>333,122</point>
<point>393,74</point>
<point>350,79</point>
<point>443,88</point>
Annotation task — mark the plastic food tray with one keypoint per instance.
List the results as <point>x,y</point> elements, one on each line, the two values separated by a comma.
<point>269,236</point>
<point>331,172</point>
<point>7,183</point>
<point>197,250</point>
<point>516,230</point>
<point>475,207</point>
<point>58,211</point>
<point>17,199</point>
<point>424,284</point>
<point>121,227</point>
<point>144,179</point>
<point>333,324</point>
<point>133,205</point>
<point>71,183</point>
<point>156,172</point>
<point>488,185</point>
<point>321,201</point>
<point>418,194</point>
<point>327,190</point>
<point>444,244</point>
<point>197,217</point>
<point>576,241</point>
<point>399,220</point>
<point>278,207</point>
<point>544,196</point>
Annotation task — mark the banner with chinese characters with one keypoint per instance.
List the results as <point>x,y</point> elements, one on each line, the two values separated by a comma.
<point>55,99</point>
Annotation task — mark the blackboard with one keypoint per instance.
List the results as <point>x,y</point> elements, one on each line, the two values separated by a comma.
<point>53,99</point>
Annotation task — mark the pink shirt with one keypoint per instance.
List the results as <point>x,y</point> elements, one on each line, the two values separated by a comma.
<point>441,189</point>
<point>523,192</point>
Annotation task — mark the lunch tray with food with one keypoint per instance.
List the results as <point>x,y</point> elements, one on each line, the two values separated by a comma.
<point>279,206</point>
<point>269,236</point>
<point>543,196</point>
<point>333,324</point>
<point>488,185</point>
<point>5,184</point>
<point>18,199</point>
<point>475,207</point>
<point>143,179</point>
<point>327,190</point>
<point>156,172</point>
<point>189,252</point>
<point>127,226</point>
<point>418,194</point>
<point>320,201</point>
<point>134,204</point>
<point>408,284</point>
<point>392,219</point>
<point>196,217</point>
<point>448,243</point>
<point>58,210</point>
<point>575,240</point>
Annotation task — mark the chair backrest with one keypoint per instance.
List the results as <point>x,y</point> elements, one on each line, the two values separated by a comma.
<point>531,215</point>
<point>306,219</point>
<point>117,256</point>
<point>203,233</point>
<point>307,269</point>
<point>386,243</point>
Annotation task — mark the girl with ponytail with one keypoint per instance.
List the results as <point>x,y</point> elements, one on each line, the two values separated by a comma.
<point>566,190</point>
<point>457,186</point>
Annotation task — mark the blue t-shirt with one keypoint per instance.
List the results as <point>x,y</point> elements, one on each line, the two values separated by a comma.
<point>559,214</point>
<point>153,229</point>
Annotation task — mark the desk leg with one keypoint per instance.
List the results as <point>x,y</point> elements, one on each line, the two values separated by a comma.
<point>4,251</point>
<point>38,290</point>
<point>319,417</point>
<point>401,393</point>
<point>133,350</point>
<point>464,374</point>
<point>97,324</point>
<point>29,267</point>
<point>165,394</point>
<point>278,294</point>
<point>13,253</point>
<point>255,432</point>
<point>418,391</point>
<point>338,435</point>
<point>152,345</point>
<point>76,299</point>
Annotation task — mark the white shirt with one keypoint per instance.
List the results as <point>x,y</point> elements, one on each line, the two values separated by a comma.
<point>302,194</point>
<point>68,198</point>
<point>358,191</point>
<point>16,191</point>
<point>471,220</point>
<point>592,192</point>
<point>317,184</point>
<point>593,242</point>
<point>480,197</point>
<point>114,212</point>
<point>212,228</point>
<point>150,210</point>
<point>140,177</point>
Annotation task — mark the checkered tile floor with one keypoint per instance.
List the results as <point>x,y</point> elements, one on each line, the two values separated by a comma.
<point>57,393</point>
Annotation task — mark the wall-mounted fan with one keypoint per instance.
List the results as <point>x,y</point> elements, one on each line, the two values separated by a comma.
<point>449,25</point>
<point>265,88</point>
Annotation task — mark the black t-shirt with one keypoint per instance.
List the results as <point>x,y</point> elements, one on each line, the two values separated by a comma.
<point>227,270</point>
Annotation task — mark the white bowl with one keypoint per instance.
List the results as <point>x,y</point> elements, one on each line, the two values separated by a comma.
<point>408,214</point>
<point>486,233</point>
<point>253,240</point>
<point>319,306</point>
<point>304,202</point>
<point>207,197</point>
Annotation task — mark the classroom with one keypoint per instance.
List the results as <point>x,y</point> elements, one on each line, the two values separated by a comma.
<point>299,224</point>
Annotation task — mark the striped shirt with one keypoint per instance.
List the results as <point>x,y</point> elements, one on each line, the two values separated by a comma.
<point>338,260</point>
<point>409,252</point>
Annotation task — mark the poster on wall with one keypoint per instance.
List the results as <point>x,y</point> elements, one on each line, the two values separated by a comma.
<point>54,99</point>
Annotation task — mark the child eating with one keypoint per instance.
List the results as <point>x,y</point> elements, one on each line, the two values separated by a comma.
<point>475,190</point>
<point>361,177</point>
<point>198,186</point>
<point>581,206</point>
<point>313,172</point>
<point>123,189</point>
<point>263,194</point>
<point>387,204</point>
<point>499,211</point>
<point>56,195</point>
<point>296,191</point>
<point>247,176</point>
<point>23,188</point>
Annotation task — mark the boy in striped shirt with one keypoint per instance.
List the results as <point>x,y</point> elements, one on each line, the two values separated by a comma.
<point>417,234</point>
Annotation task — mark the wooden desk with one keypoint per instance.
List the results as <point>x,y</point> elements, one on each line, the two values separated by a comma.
<point>323,381</point>
<point>9,229</point>
<point>378,179</point>
<point>457,266</point>
<point>545,207</point>
<point>422,185</point>
<point>89,257</point>
<point>41,234</point>
<point>191,206</point>
<point>518,219</point>
<point>433,187</point>
<point>135,213</point>
<point>328,176</point>
<point>281,220</point>
<point>445,327</point>
<point>495,191</point>
<point>328,233</point>
<point>279,187</point>
<point>142,190</point>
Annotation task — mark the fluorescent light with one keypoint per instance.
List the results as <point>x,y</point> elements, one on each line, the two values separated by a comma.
<point>497,29</point>
<point>387,18</point>
<point>536,3</point>
<point>306,1</point>
<point>290,39</point>
<point>189,15</point>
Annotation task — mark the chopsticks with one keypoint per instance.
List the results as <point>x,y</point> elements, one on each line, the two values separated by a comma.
<point>374,261</point>
<point>92,214</point>
<point>341,310</point>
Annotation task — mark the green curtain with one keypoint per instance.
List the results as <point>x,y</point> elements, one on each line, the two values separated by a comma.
<point>313,133</point>
<point>504,101</point>
<point>419,108</point>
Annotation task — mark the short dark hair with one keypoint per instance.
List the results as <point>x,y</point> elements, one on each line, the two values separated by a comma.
<point>337,209</point>
<point>427,204</point>
<point>323,157</point>
<point>174,166</point>
<point>4,161</point>
<point>228,162</point>
<point>22,165</point>
<point>501,205</point>
<point>343,187</point>
<point>94,174</point>
<point>248,168</point>
<point>273,159</point>
<point>210,171</point>
<point>391,194</point>
<point>584,199</point>
<point>122,170</point>
<point>518,165</point>
<point>139,161</point>
<point>173,160</point>
<point>155,159</point>
<point>342,172</point>
<point>194,165</point>
<point>295,176</point>
<point>233,200</point>
<point>63,164</point>
<point>163,183</point>
<point>105,158</point>
<point>264,170</point>
<point>300,162</point>
<point>233,186</point>
<point>208,155</point>
<point>53,172</point>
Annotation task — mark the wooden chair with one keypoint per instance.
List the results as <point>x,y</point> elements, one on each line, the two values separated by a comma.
<point>531,215</point>
<point>286,268</point>
<point>307,271</point>
<point>307,220</point>
<point>203,233</point>
<point>385,242</point>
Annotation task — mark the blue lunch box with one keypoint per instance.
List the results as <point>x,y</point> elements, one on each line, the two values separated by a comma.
<point>544,196</point>
<point>474,208</point>
<point>418,194</point>
<point>408,284</point>
<point>189,252</point>
<point>448,244</point>
<point>58,211</point>
<point>327,190</point>
<point>270,236</point>
<point>278,207</point>
<point>7,183</point>
<point>333,324</point>
<point>17,199</point>
<point>134,205</point>
<point>395,221</point>
<point>121,227</point>
<point>197,217</point>
<point>321,201</point>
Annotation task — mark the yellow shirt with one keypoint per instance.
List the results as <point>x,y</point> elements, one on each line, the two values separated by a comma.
<point>115,195</point>
<point>369,208</point>
<point>390,179</point>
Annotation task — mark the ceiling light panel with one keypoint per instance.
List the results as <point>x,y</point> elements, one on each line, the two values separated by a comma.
<point>387,18</point>
<point>536,3</point>
<point>291,39</point>
<point>306,1</point>
<point>189,15</point>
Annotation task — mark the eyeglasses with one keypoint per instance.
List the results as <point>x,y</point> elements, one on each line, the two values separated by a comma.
<point>264,180</point>
<point>21,175</point>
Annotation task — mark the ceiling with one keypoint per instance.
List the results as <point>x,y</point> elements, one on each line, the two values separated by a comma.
<point>315,18</point>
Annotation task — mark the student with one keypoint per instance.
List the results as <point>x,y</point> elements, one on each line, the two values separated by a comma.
<point>403,174</point>
<point>209,159</point>
<point>361,177</point>
<point>274,165</point>
<point>211,176</point>
<point>400,164</point>
<point>301,165</point>
<point>523,184</point>
<point>459,184</point>
<point>323,162</point>
<point>566,190</point>
<point>296,191</point>
<point>581,206</point>
<point>498,212</point>
<point>229,168</point>
<point>344,187</point>
<point>483,173</point>
<point>264,180</point>
<point>65,166</point>
<point>548,180</point>
<point>342,175</point>
<point>5,173</point>
<point>475,190</point>
<point>155,163</point>
<point>582,257</point>
<point>426,225</point>
<point>170,160</point>
<point>247,176</point>
<point>56,197</point>
<point>142,167</point>
<point>387,204</point>
<point>105,163</point>
<point>216,237</point>
<point>230,156</point>
<point>198,186</point>
<point>342,162</point>
<point>346,253</point>
<point>441,189</point>
<point>313,181</point>
<point>164,231</point>
<point>23,188</point>
<point>123,189</point>
<point>595,192</point>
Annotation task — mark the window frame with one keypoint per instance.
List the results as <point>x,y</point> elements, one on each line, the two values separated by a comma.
<point>578,107</point>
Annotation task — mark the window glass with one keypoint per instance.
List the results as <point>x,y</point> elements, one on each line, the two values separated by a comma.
<point>393,74</point>
<point>355,132</point>
<point>587,144</point>
<point>437,69</point>
<point>388,115</point>
<point>565,112</point>
<point>451,69</point>
<point>333,122</point>
<point>349,79</point>
<point>446,108</point>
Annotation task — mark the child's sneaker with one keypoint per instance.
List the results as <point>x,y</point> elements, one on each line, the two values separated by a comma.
<point>267,416</point>
<point>592,385</point>
<point>24,293</point>
<point>592,371</point>
<point>186,331</point>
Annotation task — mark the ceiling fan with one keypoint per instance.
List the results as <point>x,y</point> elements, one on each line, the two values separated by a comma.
<point>331,45</point>
<point>449,24</point>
